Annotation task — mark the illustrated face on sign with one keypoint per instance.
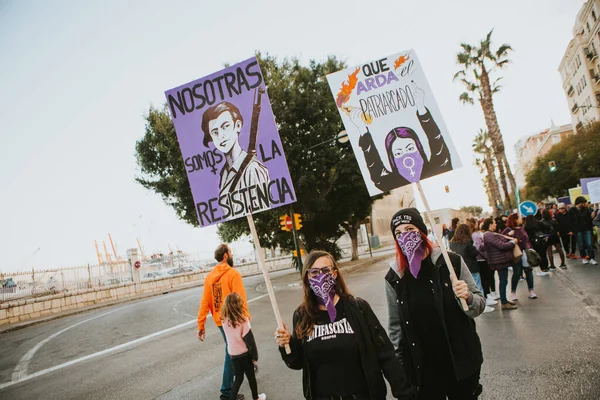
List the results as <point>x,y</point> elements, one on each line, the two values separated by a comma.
<point>405,153</point>
<point>222,125</point>
<point>224,131</point>
<point>402,147</point>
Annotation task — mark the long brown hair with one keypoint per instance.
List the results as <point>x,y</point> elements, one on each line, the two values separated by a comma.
<point>473,224</point>
<point>233,309</point>
<point>309,309</point>
<point>462,234</point>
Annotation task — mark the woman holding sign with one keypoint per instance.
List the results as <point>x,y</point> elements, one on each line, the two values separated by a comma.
<point>338,342</point>
<point>434,338</point>
<point>405,154</point>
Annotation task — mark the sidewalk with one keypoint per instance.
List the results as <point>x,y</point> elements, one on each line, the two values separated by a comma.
<point>292,276</point>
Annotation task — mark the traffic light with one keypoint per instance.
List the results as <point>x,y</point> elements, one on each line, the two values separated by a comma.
<point>295,252</point>
<point>447,189</point>
<point>298,221</point>
<point>552,166</point>
<point>283,221</point>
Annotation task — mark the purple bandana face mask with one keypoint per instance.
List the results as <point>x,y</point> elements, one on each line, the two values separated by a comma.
<point>410,166</point>
<point>323,286</point>
<point>407,158</point>
<point>412,246</point>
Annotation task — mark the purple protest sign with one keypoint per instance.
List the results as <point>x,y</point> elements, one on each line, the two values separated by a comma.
<point>230,144</point>
<point>566,200</point>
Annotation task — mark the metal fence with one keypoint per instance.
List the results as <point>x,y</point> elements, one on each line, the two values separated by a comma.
<point>36,283</point>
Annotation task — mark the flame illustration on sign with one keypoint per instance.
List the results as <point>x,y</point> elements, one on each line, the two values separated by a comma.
<point>347,87</point>
<point>401,60</point>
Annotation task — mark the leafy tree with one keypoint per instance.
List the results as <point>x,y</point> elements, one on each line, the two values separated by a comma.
<point>473,210</point>
<point>576,157</point>
<point>478,62</point>
<point>331,194</point>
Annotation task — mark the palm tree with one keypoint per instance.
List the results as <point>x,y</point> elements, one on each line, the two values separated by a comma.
<point>485,162</point>
<point>478,62</point>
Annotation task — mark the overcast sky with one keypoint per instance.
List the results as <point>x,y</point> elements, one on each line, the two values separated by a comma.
<point>76,78</point>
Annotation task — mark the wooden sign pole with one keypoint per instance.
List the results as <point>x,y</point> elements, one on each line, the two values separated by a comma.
<point>263,266</point>
<point>439,241</point>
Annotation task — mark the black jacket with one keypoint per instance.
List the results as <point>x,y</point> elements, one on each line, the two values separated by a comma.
<point>376,353</point>
<point>564,223</point>
<point>459,327</point>
<point>468,252</point>
<point>581,219</point>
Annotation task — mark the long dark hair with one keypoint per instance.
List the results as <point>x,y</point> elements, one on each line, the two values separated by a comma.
<point>401,133</point>
<point>485,226</point>
<point>309,309</point>
<point>462,234</point>
<point>531,223</point>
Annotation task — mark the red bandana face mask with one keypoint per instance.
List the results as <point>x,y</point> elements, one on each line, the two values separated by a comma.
<point>412,246</point>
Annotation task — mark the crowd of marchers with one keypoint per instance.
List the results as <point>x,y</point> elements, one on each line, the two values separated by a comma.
<point>430,349</point>
<point>493,247</point>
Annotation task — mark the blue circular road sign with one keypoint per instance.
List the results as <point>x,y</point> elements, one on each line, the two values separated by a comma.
<point>528,208</point>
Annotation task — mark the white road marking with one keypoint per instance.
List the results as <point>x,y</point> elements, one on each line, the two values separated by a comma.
<point>181,312</point>
<point>22,377</point>
<point>22,367</point>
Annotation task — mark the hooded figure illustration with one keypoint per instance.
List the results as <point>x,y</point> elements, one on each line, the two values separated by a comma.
<point>407,159</point>
<point>405,153</point>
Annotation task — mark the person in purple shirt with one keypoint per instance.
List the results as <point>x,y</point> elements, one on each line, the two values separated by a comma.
<point>514,228</point>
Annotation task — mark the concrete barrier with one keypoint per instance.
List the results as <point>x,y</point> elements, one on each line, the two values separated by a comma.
<point>24,309</point>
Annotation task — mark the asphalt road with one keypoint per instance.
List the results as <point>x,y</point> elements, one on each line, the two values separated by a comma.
<point>547,349</point>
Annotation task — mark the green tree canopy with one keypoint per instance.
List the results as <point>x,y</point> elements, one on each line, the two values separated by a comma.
<point>576,157</point>
<point>331,194</point>
<point>473,210</point>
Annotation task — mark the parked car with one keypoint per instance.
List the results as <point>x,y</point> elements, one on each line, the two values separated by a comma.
<point>8,283</point>
<point>177,271</point>
<point>153,275</point>
<point>8,286</point>
<point>115,281</point>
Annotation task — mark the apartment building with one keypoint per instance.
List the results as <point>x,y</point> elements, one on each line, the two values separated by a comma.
<point>530,148</point>
<point>580,66</point>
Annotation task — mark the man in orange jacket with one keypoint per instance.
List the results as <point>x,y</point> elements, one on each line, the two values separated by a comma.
<point>221,281</point>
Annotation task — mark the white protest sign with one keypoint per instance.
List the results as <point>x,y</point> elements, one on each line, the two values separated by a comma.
<point>393,121</point>
<point>594,191</point>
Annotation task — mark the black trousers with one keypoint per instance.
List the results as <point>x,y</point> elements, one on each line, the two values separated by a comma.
<point>569,243</point>
<point>487,277</point>
<point>541,247</point>
<point>243,365</point>
<point>447,387</point>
